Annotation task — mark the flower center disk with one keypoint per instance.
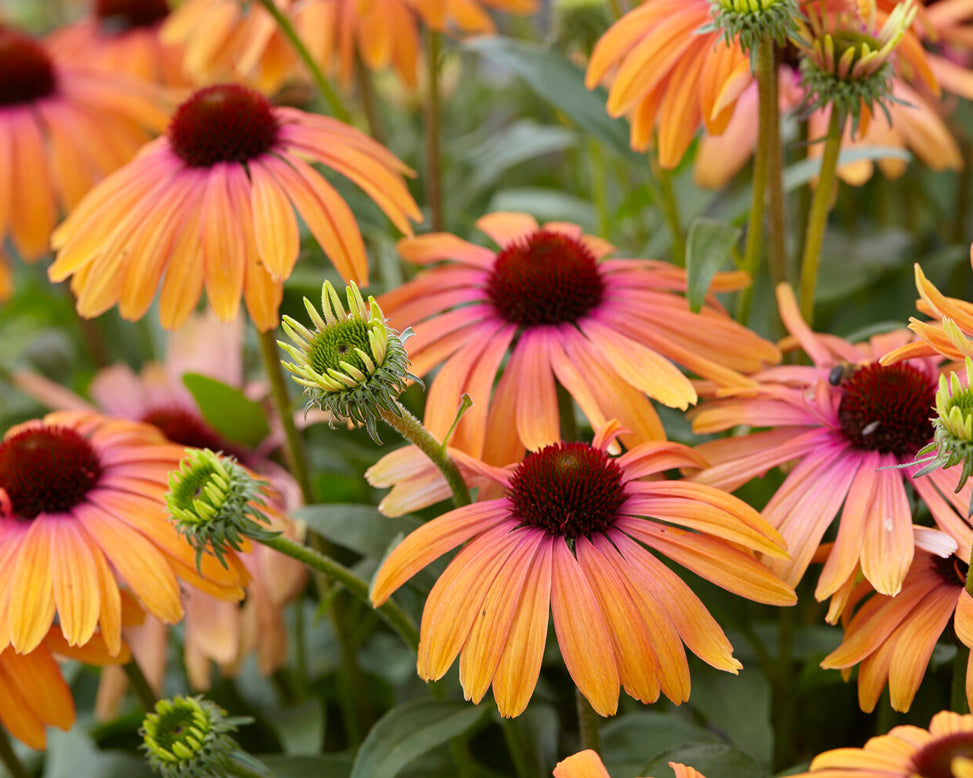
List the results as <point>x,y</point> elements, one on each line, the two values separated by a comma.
<point>47,470</point>
<point>338,344</point>
<point>26,72</point>
<point>887,409</point>
<point>116,16</point>
<point>223,123</point>
<point>567,489</point>
<point>181,426</point>
<point>546,278</point>
<point>935,759</point>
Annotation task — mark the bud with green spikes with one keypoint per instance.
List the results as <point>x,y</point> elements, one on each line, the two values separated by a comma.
<point>352,364</point>
<point>215,503</point>
<point>188,737</point>
<point>747,22</point>
<point>845,63</point>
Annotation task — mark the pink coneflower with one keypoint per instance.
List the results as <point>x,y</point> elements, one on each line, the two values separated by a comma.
<point>123,37</point>
<point>550,297</point>
<point>81,513</point>
<point>845,423</point>
<point>213,204</point>
<point>576,536</point>
<point>62,128</point>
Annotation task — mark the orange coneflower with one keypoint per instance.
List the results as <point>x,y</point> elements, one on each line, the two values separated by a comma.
<point>122,36</point>
<point>892,638</point>
<point>905,752</point>
<point>212,204</point>
<point>62,128</point>
<point>35,693</point>
<point>572,537</point>
<point>847,424</point>
<point>604,328</point>
<point>81,512</point>
<point>226,40</point>
<point>587,764</point>
<point>669,76</point>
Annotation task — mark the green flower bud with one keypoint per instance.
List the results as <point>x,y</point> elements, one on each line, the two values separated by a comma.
<point>747,22</point>
<point>188,737</point>
<point>352,364</point>
<point>215,503</point>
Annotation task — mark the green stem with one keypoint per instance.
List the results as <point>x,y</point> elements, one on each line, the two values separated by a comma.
<point>336,571</point>
<point>958,703</point>
<point>670,209</point>
<point>775,186</point>
<point>294,448</point>
<point>364,79</point>
<point>8,757</point>
<point>518,745</point>
<point>433,115</point>
<point>751,258</point>
<point>783,694</point>
<point>589,723</point>
<point>334,102</point>
<point>818,217</point>
<point>599,191</point>
<point>410,428</point>
<point>140,684</point>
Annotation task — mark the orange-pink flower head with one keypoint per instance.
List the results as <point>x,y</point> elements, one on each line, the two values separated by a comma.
<point>81,513</point>
<point>845,424</point>
<point>62,128</point>
<point>552,298</point>
<point>942,751</point>
<point>668,76</point>
<point>213,204</point>
<point>124,37</point>
<point>571,538</point>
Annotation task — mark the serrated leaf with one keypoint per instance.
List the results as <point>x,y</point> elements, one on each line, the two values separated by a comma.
<point>409,730</point>
<point>228,410</point>
<point>561,84</point>
<point>708,248</point>
<point>714,760</point>
<point>360,528</point>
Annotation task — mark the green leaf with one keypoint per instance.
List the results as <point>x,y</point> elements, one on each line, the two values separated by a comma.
<point>360,528</point>
<point>409,730</point>
<point>631,739</point>
<point>512,145</point>
<point>721,697</point>
<point>228,410</point>
<point>331,765</point>
<point>73,755</point>
<point>561,84</point>
<point>708,248</point>
<point>714,760</point>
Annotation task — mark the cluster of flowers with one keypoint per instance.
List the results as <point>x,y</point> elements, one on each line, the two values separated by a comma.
<point>153,155</point>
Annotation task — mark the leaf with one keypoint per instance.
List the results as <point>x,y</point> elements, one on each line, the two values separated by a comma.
<point>631,739</point>
<point>714,760</point>
<point>721,698</point>
<point>409,730</point>
<point>331,765</point>
<point>73,755</point>
<point>228,410</point>
<point>708,248</point>
<point>558,82</point>
<point>512,145</point>
<point>360,528</point>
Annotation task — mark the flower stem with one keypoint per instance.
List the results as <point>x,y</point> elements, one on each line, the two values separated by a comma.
<point>433,112</point>
<point>765,75</point>
<point>589,723</point>
<point>599,191</point>
<point>334,102</point>
<point>958,703</point>
<point>818,217</point>
<point>518,745</point>
<point>140,684</point>
<point>294,450</point>
<point>670,209</point>
<point>775,185</point>
<point>410,428</point>
<point>8,757</point>
<point>364,79</point>
<point>336,571</point>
